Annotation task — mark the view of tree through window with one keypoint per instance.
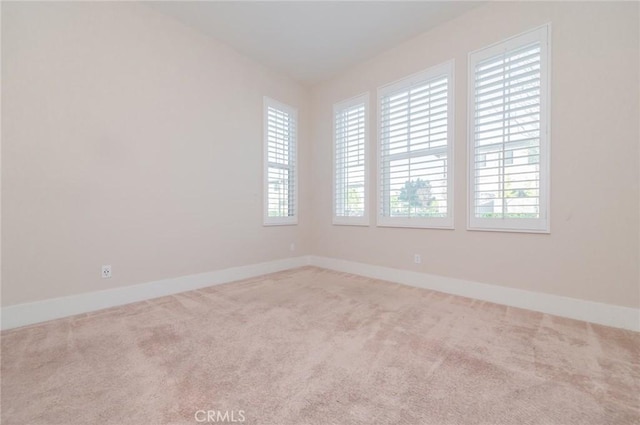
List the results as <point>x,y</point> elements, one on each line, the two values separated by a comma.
<point>415,148</point>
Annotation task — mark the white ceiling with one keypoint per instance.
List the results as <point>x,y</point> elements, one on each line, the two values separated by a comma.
<point>312,40</point>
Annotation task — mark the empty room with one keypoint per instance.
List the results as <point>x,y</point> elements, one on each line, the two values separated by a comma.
<point>320,212</point>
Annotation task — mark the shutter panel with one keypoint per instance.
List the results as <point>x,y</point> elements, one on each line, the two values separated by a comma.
<point>415,150</point>
<point>350,138</point>
<point>280,164</point>
<point>507,130</point>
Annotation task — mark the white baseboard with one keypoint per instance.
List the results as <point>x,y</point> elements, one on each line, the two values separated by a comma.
<point>41,311</point>
<point>604,314</point>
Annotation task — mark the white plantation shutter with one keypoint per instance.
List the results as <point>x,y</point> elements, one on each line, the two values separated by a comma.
<point>350,161</point>
<point>509,134</point>
<point>416,150</point>
<point>280,184</point>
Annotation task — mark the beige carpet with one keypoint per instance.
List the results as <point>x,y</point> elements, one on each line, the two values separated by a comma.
<point>311,346</point>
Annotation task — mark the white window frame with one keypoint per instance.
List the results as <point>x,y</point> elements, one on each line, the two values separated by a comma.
<point>363,99</point>
<point>292,167</point>
<point>446,68</point>
<point>541,34</point>
<point>525,225</point>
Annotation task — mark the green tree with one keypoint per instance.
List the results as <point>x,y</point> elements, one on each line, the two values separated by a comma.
<point>417,193</point>
<point>511,194</point>
<point>354,201</point>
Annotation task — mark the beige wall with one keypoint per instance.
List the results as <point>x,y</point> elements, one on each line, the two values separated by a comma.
<point>129,139</point>
<point>592,252</point>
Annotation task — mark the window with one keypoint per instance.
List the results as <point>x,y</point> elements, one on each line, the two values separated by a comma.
<point>350,159</point>
<point>416,150</point>
<point>280,173</point>
<point>509,134</point>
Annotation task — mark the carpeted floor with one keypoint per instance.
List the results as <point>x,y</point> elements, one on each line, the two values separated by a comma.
<point>311,346</point>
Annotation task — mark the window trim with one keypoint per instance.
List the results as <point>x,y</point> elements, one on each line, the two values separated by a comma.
<point>365,99</point>
<point>447,223</point>
<point>518,225</point>
<point>288,220</point>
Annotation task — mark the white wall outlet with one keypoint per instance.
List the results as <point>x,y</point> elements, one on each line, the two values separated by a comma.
<point>292,247</point>
<point>106,272</point>
<point>417,258</point>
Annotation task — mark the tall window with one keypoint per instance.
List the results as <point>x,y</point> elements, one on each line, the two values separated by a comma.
<point>509,134</point>
<point>280,173</point>
<point>416,150</point>
<point>350,161</point>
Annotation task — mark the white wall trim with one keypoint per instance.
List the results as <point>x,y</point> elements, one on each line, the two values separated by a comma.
<point>590,311</point>
<point>41,311</point>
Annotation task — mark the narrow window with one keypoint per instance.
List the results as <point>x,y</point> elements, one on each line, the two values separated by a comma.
<point>350,161</point>
<point>280,173</point>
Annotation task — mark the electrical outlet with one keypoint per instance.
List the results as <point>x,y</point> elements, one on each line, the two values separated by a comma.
<point>292,247</point>
<point>106,272</point>
<point>417,258</point>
